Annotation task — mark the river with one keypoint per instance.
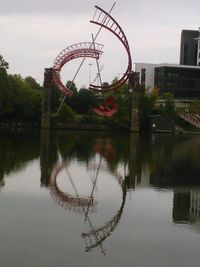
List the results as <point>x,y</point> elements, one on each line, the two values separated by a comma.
<point>99,199</point>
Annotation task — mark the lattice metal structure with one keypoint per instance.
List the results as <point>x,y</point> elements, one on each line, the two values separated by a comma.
<point>79,50</point>
<point>105,20</point>
<point>97,236</point>
<point>75,203</point>
<point>92,50</point>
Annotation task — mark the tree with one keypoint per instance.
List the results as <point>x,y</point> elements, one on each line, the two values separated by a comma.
<point>32,82</point>
<point>123,101</point>
<point>83,101</point>
<point>195,107</point>
<point>66,114</point>
<point>146,103</point>
<point>3,63</point>
<point>72,86</point>
<point>169,108</point>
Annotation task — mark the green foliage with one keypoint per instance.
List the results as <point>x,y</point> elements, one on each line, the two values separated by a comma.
<point>146,105</point>
<point>3,63</point>
<point>72,86</point>
<point>90,119</point>
<point>32,82</point>
<point>66,114</point>
<point>195,107</point>
<point>56,99</point>
<point>83,101</point>
<point>123,100</point>
<point>20,99</point>
<point>169,107</point>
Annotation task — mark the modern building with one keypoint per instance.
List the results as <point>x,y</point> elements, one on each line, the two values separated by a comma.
<point>183,80</point>
<point>180,80</point>
<point>189,47</point>
<point>198,49</point>
<point>146,71</point>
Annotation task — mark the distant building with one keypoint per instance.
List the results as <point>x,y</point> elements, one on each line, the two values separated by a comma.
<point>183,80</point>
<point>198,49</point>
<point>189,48</point>
<point>146,71</point>
<point>180,80</point>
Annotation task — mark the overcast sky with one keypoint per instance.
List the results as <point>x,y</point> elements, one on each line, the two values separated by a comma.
<point>34,32</point>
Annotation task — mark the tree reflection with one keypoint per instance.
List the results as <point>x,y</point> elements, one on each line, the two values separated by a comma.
<point>161,161</point>
<point>17,148</point>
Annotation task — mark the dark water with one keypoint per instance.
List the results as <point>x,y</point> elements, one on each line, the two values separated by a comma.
<point>87,199</point>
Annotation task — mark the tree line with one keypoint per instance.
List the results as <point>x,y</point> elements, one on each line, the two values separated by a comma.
<point>21,98</point>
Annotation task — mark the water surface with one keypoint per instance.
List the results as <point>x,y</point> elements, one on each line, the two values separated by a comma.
<point>96,199</point>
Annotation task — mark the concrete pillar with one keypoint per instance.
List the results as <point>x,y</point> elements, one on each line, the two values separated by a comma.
<point>46,99</point>
<point>45,155</point>
<point>134,87</point>
<point>134,112</point>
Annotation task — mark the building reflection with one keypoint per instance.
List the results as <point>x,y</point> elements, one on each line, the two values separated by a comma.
<point>156,161</point>
<point>161,161</point>
<point>180,172</point>
<point>186,206</point>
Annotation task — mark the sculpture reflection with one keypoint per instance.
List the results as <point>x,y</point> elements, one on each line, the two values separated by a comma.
<point>157,161</point>
<point>97,235</point>
<point>75,203</point>
<point>161,161</point>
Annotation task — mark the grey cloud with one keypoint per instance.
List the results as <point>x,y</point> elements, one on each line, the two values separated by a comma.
<point>10,7</point>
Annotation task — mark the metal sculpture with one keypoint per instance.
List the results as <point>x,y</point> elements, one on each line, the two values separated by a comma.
<point>105,20</point>
<point>94,50</point>
<point>108,108</point>
<point>84,49</point>
<point>88,205</point>
<point>75,203</point>
<point>97,236</point>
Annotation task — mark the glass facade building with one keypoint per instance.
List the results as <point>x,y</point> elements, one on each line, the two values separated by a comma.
<point>181,81</point>
<point>189,47</point>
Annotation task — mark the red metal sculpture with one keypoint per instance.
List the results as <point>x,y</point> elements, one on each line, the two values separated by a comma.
<point>103,19</point>
<point>94,50</point>
<point>108,108</point>
<point>84,49</point>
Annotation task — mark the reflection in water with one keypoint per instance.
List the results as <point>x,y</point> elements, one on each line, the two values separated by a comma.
<point>96,236</point>
<point>157,162</point>
<point>186,206</point>
<point>76,203</point>
<point>17,148</point>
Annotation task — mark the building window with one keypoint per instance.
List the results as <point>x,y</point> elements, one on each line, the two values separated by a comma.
<point>143,75</point>
<point>185,53</point>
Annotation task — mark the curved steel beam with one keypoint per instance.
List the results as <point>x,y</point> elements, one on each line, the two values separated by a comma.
<point>75,203</point>
<point>84,49</point>
<point>105,20</point>
<point>96,236</point>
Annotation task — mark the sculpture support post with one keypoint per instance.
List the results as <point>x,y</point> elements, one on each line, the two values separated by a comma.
<point>46,99</point>
<point>134,83</point>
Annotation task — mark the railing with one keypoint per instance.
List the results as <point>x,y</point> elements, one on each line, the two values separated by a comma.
<point>192,118</point>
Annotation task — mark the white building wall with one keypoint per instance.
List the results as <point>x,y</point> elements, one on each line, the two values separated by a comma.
<point>198,50</point>
<point>150,73</point>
